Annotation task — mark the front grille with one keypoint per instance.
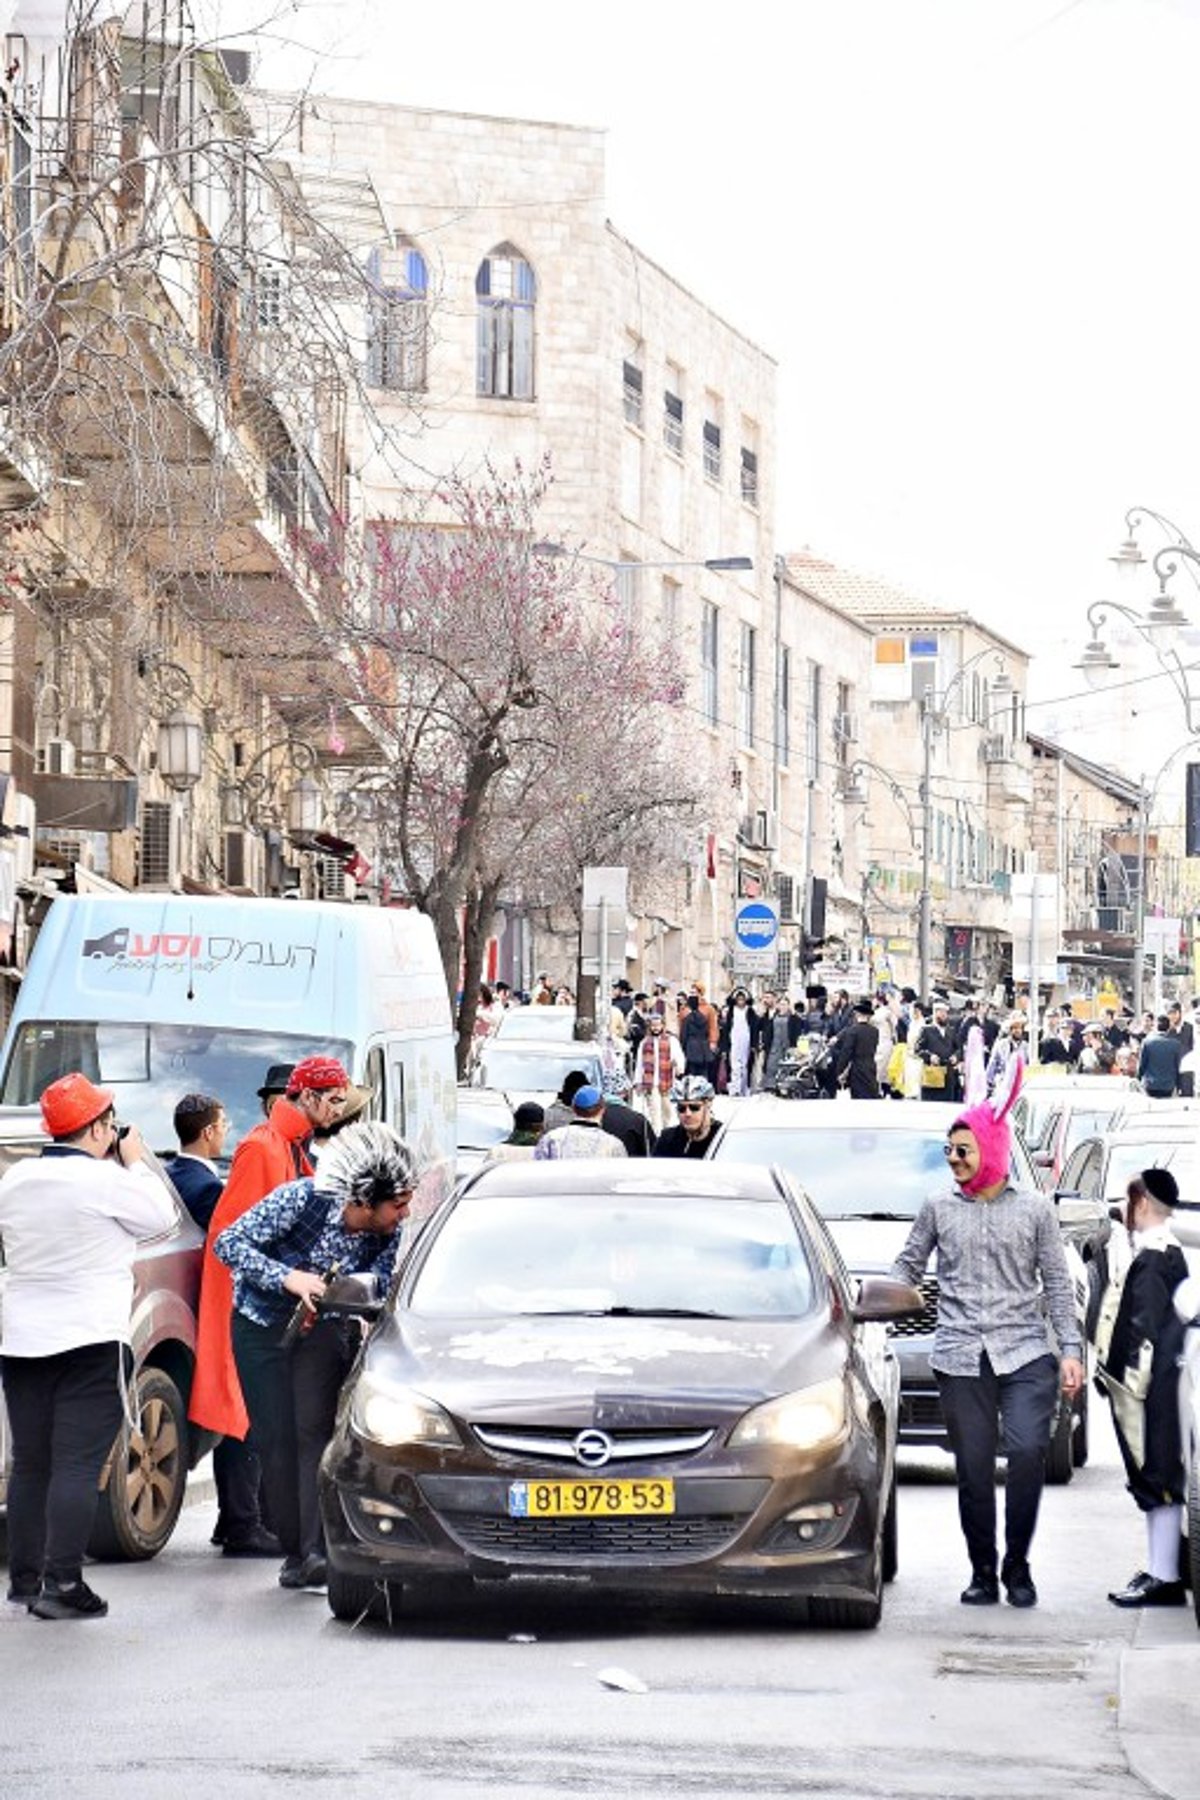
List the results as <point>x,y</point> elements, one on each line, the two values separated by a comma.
<point>922,1324</point>
<point>669,1539</point>
<point>540,1442</point>
<point>921,1412</point>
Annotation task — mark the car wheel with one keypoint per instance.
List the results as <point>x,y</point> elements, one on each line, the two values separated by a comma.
<point>1079,1438</point>
<point>1060,1459</point>
<point>844,1614</point>
<point>1193,1533</point>
<point>355,1597</point>
<point>141,1499</point>
<point>890,1547</point>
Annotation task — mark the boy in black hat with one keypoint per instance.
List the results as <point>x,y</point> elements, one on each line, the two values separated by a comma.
<point>1139,1368</point>
<point>854,1054</point>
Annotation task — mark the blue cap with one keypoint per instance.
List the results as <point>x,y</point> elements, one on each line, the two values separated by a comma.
<point>586,1098</point>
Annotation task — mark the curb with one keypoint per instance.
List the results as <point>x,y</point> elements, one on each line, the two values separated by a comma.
<point>1158,1719</point>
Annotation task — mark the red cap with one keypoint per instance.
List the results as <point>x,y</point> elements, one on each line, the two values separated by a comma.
<point>71,1103</point>
<point>317,1072</point>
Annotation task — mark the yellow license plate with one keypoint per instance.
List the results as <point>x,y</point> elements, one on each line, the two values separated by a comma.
<point>588,1499</point>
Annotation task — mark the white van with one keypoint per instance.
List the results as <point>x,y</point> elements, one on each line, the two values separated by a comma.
<point>159,995</point>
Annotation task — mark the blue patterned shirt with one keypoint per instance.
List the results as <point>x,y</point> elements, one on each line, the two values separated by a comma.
<point>296,1227</point>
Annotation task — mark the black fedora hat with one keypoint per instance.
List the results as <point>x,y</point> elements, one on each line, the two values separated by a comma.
<point>278,1076</point>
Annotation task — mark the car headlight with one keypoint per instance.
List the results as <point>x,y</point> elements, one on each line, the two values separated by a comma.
<point>396,1415</point>
<point>810,1419</point>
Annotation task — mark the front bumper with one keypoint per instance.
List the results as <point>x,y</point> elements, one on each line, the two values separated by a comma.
<point>730,1532</point>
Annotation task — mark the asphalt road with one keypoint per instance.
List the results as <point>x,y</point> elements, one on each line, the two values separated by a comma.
<point>208,1679</point>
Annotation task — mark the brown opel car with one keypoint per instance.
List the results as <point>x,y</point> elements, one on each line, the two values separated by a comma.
<point>142,1484</point>
<point>653,1376</point>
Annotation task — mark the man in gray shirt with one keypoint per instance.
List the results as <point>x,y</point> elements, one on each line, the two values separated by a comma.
<point>999,1251</point>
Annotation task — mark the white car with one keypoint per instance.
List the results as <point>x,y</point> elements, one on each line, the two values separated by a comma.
<point>543,1024</point>
<point>535,1070</point>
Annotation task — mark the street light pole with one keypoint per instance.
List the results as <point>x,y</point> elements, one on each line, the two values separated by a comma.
<point>924,903</point>
<point>1139,911</point>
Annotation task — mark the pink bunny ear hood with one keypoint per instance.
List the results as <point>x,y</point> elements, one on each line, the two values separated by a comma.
<point>989,1124</point>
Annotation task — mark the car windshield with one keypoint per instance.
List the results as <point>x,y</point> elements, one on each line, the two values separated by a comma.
<point>643,1254</point>
<point>537,1071</point>
<point>479,1127</point>
<point>1093,1122</point>
<point>1127,1160</point>
<point>544,1022</point>
<point>150,1067</point>
<point>846,1173</point>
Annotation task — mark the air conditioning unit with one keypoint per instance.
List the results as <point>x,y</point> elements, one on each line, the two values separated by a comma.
<point>995,749</point>
<point>747,828</point>
<point>768,829</point>
<point>845,727</point>
<point>56,757</point>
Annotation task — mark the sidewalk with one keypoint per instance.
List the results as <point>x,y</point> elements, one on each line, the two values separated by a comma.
<point>1158,1719</point>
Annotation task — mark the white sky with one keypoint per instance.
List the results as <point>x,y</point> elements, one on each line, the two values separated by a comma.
<point>965,227</point>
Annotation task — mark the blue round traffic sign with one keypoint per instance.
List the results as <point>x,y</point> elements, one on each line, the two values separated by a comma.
<point>756,925</point>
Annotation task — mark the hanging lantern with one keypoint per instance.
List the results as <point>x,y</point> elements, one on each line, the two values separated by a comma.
<point>181,751</point>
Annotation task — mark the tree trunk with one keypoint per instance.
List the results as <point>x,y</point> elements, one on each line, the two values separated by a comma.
<point>481,904</point>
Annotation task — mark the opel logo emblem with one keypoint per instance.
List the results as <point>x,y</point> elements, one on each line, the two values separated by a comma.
<point>593,1449</point>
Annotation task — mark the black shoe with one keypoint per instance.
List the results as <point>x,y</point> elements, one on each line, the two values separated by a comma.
<point>307,1572</point>
<point>1146,1590</point>
<point>24,1590</point>
<point>984,1589</point>
<point>255,1542</point>
<point>70,1600</point>
<point>1018,1583</point>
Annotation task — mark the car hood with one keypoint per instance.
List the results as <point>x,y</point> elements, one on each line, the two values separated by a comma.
<point>869,1246</point>
<point>595,1371</point>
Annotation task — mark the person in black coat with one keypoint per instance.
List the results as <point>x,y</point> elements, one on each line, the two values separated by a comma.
<point>202,1125</point>
<point>1140,1372</point>
<point>625,1123</point>
<point>855,1050</point>
<point>935,1048</point>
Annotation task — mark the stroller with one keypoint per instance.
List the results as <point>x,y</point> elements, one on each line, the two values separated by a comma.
<point>806,1072</point>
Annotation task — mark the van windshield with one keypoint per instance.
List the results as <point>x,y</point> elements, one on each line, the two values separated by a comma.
<point>150,1067</point>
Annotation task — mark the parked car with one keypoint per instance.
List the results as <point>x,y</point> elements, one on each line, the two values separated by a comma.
<point>867,1166</point>
<point>650,1377</point>
<point>1053,1116</point>
<point>543,1024</point>
<point>1100,1169</point>
<point>143,1481</point>
<point>535,1070</point>
<point>484,1120</point>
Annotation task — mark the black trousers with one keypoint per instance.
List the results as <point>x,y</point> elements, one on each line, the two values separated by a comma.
<point>64,1412</point>
<point>291,1396</point>
<point>237,1472</point>
<point>975,1406</point>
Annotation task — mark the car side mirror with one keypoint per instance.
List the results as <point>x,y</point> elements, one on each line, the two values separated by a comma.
<point>352,1297</point>
<point>881,1297</point>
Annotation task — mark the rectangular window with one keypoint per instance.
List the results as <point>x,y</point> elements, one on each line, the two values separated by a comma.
<point>747,681</point>
<point>709,644</point>
<point>712,450</point>
<point>154,845</point>
<point>673,422</point>
<point>843,725</point>
<point>749,477</point>
<point>814,722</point>
<point>631,391</point>
<point>783,709</point>
<point>396,348</point>
<point>268,299</point>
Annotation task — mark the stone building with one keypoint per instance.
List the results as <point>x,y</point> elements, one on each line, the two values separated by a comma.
<point>514,321</point>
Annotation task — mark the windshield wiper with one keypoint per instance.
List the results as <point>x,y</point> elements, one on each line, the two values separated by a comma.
<point>628,1312</point>
<point>890,1218</point>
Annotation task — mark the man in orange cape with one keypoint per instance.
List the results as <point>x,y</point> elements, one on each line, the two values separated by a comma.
<point>268,1155</point>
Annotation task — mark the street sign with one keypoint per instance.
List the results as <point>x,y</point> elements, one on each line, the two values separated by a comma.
<point>1161,936</point>
<point>756,938</point>
<point>855,977</point>
<point>604,924</point>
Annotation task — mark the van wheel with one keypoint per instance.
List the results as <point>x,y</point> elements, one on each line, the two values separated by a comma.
<point>1060,1455</point>
<point>140,1501</point>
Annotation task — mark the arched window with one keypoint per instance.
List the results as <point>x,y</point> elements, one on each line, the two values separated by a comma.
<point>398,318</point>
<point>506,296</point>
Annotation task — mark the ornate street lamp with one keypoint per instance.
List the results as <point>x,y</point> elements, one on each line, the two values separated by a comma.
<point>181,751</point>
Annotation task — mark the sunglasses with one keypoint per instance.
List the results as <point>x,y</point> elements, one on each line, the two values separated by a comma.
<point>955,1152</point>
<point>692,1105</point>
